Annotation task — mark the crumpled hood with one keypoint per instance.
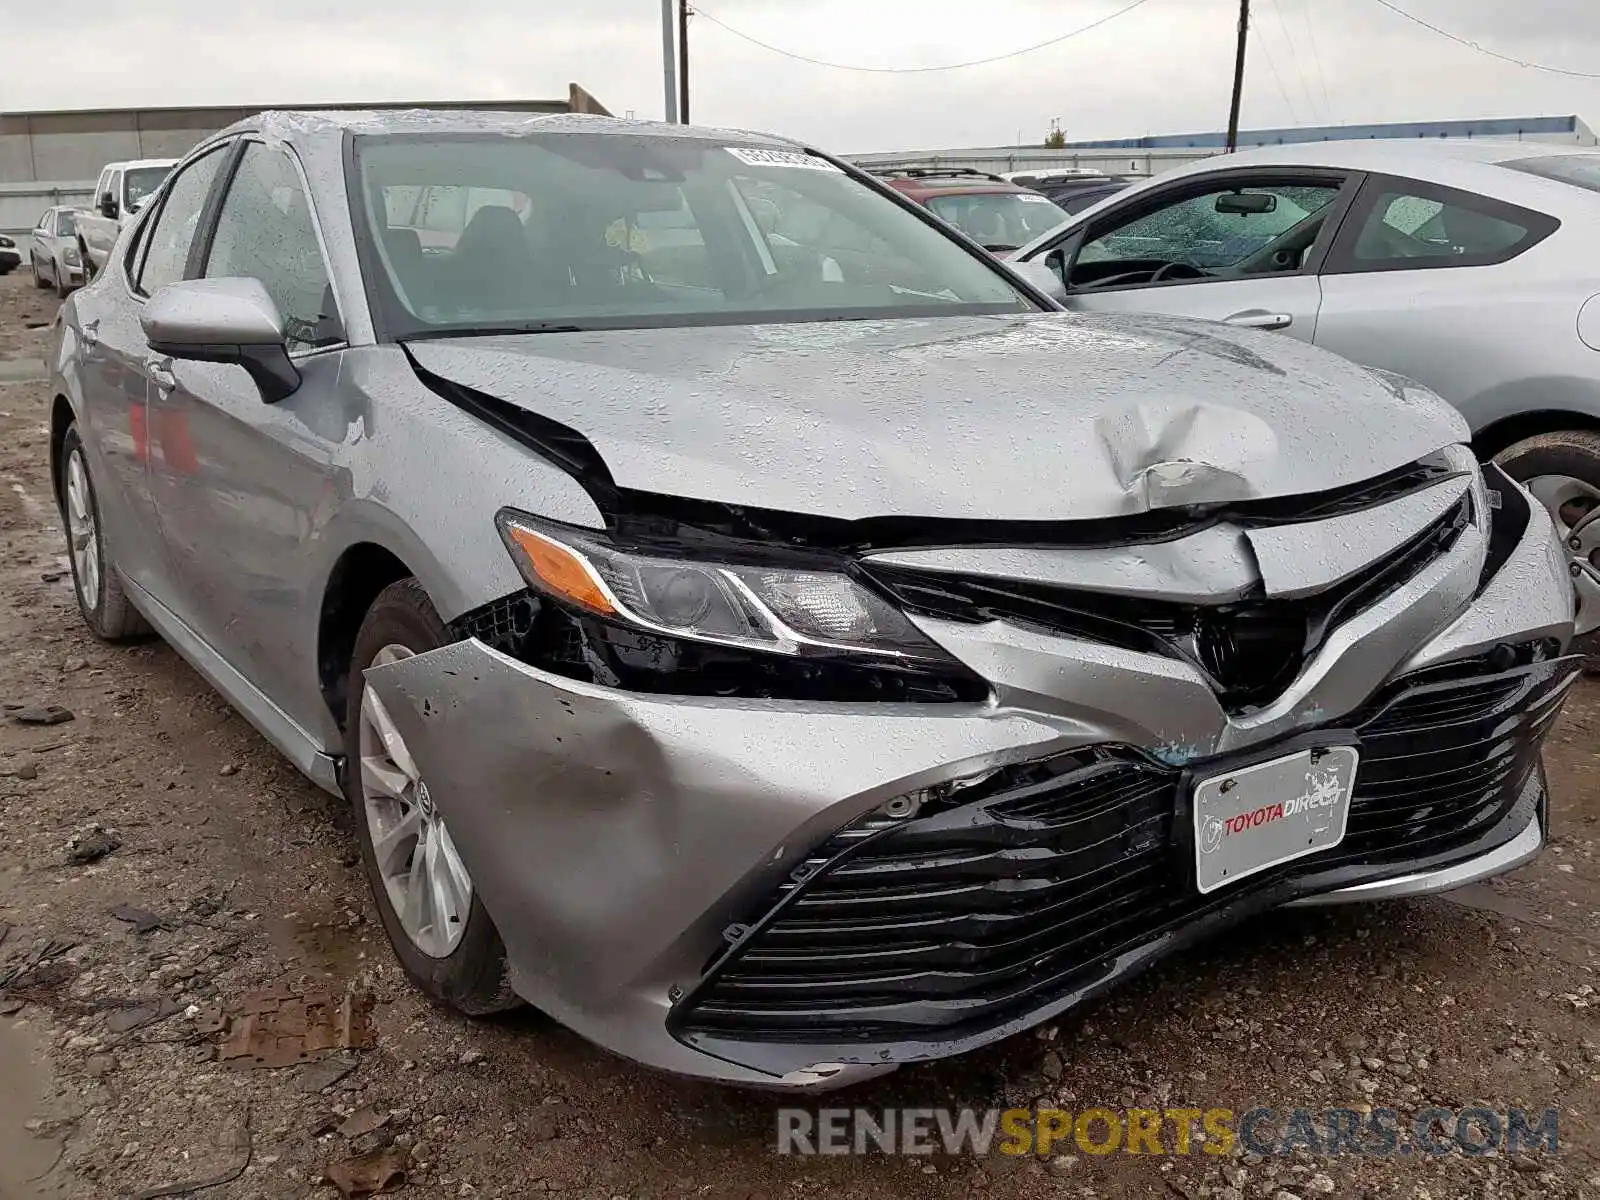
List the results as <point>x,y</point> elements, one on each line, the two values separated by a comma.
<point>1049,417</point>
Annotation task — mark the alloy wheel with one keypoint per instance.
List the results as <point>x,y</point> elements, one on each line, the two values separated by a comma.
<point>1574,506</point>
<point>426,882</point>
<point>83,536</point>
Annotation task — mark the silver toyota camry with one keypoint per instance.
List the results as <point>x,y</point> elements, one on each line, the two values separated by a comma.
<point>751,625</point>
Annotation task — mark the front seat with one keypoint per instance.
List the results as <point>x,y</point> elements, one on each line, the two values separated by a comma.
<point>492,266</point>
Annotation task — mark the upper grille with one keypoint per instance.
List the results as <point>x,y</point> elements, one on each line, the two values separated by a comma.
<point>993,899</point>
<point>1249,651</point>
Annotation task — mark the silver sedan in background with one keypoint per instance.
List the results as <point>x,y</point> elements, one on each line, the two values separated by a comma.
<point>53,251</point>
<point>1472,267</point>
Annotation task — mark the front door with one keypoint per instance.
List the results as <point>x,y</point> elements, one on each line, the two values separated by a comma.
<point>1237,247</point>
<point>239,518</point>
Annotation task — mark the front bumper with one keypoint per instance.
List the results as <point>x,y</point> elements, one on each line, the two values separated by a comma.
<point>639,853</point>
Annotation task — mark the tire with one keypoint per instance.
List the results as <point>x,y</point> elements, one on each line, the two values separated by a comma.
<point>89,271</point>
<point>1572,453</point>
<point>63,287</point>
<point>104,605</point>
<point>38,279</point>
<point>473,976</point>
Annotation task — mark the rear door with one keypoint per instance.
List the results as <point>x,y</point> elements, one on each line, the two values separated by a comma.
<point>1240,246</point>
<point>112,364</point>
<point>1425,280</point>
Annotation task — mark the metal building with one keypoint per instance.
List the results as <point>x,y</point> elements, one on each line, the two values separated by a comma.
<point>54,157</point>
<point>1151,155</point>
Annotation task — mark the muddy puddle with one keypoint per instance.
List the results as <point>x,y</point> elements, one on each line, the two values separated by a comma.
<point>27,1152</point>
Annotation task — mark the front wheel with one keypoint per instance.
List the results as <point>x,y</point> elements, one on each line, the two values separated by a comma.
<point>38,276</point>
<point>1562,470</point>
<point>104,605</point>
<point>435,920</point>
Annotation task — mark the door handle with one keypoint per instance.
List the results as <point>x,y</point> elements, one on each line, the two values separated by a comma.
<point>1257,319</point>
<point>160,372</point>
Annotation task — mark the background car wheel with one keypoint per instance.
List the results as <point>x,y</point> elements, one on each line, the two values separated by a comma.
<point>38,276</point>
<point>101,600</point>
<point>1562,470</point>
<point>440,931</point>
<point>63,287</point>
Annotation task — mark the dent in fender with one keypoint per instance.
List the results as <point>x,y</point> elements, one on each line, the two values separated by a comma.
<point>604,828</point>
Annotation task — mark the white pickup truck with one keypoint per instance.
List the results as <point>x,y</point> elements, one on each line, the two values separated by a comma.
<point>121,190</point>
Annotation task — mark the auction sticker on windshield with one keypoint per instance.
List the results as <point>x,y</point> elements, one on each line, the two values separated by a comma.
<point>763,156</point>
<point>1260,816</point>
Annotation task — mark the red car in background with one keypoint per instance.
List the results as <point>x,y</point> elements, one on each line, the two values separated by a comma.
<point>993,212</point>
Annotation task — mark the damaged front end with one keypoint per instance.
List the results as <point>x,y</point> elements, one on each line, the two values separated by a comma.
<point>789,801</point>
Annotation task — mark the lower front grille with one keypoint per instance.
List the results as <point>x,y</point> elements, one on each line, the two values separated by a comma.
<point>988,901</point>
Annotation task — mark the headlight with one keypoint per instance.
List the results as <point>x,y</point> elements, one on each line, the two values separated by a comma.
<point>769,608</point>
<point>70,256</point>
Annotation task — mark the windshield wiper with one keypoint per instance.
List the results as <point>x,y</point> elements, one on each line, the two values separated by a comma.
<point>449,331</point>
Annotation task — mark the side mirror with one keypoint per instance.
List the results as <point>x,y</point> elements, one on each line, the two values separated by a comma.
<point>1246,203</point>
<point>223,321</point>
<point>1041,275</point>
<point>108,206</point>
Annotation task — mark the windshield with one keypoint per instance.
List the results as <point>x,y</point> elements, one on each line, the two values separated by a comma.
<point>65,225</point>
<point>141,181</point>
<point>566,231</point>
<point>1580,170</point>
<point>1000,220</point>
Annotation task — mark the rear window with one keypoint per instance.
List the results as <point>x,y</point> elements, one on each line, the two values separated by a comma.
<point>999,220</point>
<point>1580,170</point>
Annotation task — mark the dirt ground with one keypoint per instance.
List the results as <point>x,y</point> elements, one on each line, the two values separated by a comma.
<point>110,1088</point>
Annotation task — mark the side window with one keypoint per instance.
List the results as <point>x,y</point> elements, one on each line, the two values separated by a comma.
<point>171,232</point>
<point>1220,233</point>
<point>1404,225</point>
<point>114,186</point>
<point>265,231</point>
<point>101,186</point>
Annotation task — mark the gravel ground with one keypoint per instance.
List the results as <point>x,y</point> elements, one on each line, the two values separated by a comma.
<point>1484,998</point>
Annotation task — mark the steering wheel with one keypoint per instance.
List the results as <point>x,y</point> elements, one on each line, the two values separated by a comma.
<point>1171,271</point>
<point>1140,277</point>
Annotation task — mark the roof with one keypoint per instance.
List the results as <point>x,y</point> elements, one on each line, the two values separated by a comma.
<point>134,164</point>
<point>298,124</point>
<point>1357,154</point>
<point>561,105</point>
<point>1496,127</point>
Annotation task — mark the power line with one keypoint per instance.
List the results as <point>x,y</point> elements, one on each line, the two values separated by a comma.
<point>1266,51</point>
<point>976,62</point>
<point>1316,58</point>
<point>1470,44</point>
<point>1294,59</point>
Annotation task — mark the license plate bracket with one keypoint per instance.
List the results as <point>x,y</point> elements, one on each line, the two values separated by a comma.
<point>1261,815</point>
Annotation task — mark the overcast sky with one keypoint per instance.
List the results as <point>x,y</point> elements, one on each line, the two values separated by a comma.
<point>1163,68</point>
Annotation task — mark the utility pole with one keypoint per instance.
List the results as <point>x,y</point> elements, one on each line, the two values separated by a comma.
<point>669,60</point>
<point>1238,77</point>
<point>683,62</point>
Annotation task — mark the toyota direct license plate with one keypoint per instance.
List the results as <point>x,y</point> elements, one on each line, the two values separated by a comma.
<point>1259,816</point>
